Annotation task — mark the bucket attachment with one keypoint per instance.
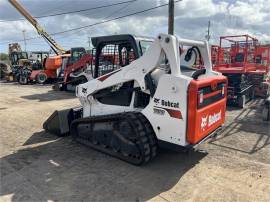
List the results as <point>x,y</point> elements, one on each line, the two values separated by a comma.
<point>59,122</point>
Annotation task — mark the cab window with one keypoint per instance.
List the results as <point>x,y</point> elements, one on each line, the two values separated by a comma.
<point>144,45</point>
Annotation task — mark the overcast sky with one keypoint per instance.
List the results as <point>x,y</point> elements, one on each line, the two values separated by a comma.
<point>227,17</point>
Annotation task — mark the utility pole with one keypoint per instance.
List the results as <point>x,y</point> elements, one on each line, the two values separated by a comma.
<point>171,17</point>
<point>24,40</point>
<point>89,41</point>
<point>208,31</point>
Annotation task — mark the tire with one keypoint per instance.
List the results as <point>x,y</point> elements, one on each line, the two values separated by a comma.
<point>266,113</point>
<point>41,78</point>
<point>70,87</point>
<point>23,80</point>
<point>78,80</point>
<point>17,77</point>
<point>241,101</point>
<point>83,80</point>
<point>252,94</point>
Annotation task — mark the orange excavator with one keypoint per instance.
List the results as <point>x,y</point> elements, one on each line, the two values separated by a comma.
<point>51,64</point>
<point>52,67</point>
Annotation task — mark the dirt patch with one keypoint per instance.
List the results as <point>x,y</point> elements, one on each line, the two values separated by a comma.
<point>36,166</point>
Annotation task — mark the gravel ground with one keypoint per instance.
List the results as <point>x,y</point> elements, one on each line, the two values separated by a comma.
<point>36,166</point>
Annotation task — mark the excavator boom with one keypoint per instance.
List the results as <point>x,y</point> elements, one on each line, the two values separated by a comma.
<point>56,47</point>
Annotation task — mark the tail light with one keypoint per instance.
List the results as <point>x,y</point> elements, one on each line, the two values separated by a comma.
<point>200,97</point>
<point>223,89</point>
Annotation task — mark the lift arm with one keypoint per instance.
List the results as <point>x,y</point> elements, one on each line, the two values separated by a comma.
<point>56,47</point>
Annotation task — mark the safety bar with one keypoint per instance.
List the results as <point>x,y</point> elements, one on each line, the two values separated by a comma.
<point>188,42</point>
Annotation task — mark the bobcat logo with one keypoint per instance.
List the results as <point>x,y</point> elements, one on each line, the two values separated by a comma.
<point>204,122</point>
<point>156,100</point>
<point>209,120</point>
<point>84,90</point>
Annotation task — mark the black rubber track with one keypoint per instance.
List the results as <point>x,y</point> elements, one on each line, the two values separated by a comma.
<point>144,138</point>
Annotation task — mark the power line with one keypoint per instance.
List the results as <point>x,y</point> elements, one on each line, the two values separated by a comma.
<point>118,10</point>
<point>102,22</point>
<point>113,19</point>
<point>77,31</point>
<point>108,16</point>
<point>54,9</point>
<point>70,12</point>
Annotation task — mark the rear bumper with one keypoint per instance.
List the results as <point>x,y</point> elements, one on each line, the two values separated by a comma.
<point>211,135</point>
<point>179,148</point>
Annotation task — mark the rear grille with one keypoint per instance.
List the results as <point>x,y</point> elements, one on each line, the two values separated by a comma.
<point>209,95</point>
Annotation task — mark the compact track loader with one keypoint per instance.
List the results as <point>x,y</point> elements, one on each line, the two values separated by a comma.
<point>156,100</point>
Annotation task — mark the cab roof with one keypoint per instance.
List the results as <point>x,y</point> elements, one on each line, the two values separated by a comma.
<point>119,38</point>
